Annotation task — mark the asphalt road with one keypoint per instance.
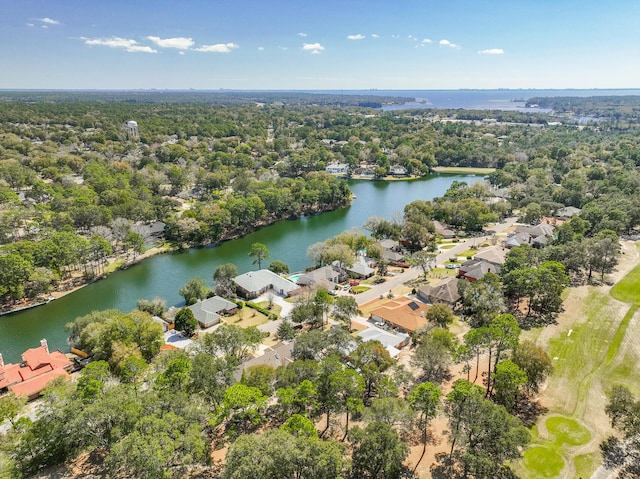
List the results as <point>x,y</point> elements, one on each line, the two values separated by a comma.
<point>412,273</point>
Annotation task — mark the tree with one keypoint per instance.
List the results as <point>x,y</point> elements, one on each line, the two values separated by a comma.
<point>622,451</point>
<point>440,314</point>
<point>155,307</point>
<point>231,341</point>
<point>10,407</point>
<point>433,355</point>
<point>424,260</point>
<point>278,267</point>
<point>193,291</point>
<point>508,379</point>
<point>483,299</point>
<point>534,361</point>
<point>483,434</point>
<point>223,279</point>
<point>186,322</point>
<point>280,453</point>
<point>260,252</point>
<point>425,400</point>
<point>378,452</point>
<point>286,331</point>
<point>309,312</point>
<point>260,376</point>
<point>373,360</point>
<point>602,253</point>
<point>245,404</point>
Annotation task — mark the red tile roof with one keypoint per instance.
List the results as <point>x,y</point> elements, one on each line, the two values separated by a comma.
<point>33,386</point>
<point>38,367</point>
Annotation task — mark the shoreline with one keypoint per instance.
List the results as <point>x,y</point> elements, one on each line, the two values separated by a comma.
<point>461,170</point>
<point>154,251</point>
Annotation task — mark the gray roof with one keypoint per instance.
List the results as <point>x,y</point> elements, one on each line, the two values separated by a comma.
<point>479,269</point>
<point>256,281</point>
<point>361,267</point>
<point>208,312</point>
<point>278,355</point>
<point>568,212</point>
<point>444,292</point>
<point>493,254</point>
<point>391,341</point>
<point>325,273</point>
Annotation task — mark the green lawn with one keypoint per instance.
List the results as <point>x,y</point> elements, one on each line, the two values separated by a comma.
<point>628,289</point>
<point>567,431</point>
<point>542,462</point>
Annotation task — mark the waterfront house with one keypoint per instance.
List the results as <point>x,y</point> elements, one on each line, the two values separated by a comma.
<point>38,368</point>
<point>326,277</point>
<point>209,311</point>
<point>254,283</point>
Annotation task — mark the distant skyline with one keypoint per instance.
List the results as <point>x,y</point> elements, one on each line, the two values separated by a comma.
<point>324,45</point>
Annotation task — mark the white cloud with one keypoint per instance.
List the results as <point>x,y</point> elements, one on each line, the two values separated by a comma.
<point>30,24</point>
<point>44,26</point>
<point>284,49</point>
<point>117,42</point>
<point>375,35</point>
<point>49,21</point>
<point>447,43</point>
<point>218,48</point>
<point>314,48</point>
<point>181,43</point>
<point>359,36</point>
<point>181,53</point>
<point>301,34</point>
<point>491,51</point>
<point>260,49</point>
<point>427,40</point>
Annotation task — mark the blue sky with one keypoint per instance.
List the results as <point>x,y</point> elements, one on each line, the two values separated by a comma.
<point>311,44</point>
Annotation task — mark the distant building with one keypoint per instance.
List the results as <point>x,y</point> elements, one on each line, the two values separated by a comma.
<point>131,127</point>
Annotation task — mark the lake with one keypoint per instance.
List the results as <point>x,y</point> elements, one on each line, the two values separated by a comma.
<point>164,275</point>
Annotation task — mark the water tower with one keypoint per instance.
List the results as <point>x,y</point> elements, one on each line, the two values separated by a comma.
<point>132,129</point>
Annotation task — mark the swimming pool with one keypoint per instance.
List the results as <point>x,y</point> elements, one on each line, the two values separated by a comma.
<point>295,277</point>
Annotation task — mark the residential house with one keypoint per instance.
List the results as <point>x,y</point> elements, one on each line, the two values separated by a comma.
<point>360,269</point>
<point>326,277</point>
<point>38,368</point>
<point>209,311</point>
<point>392,342</point>
<point>568,212</point>
<point>337,168</point>
<point>444,292</point>
<point>398,170</point>
<point>475,269</point>
<point>492,254</point>
<point>402,313</point>
<point>443,231</point>
<point>254,283</point>
<point>391,250</point>
<point>280,354</point>
<point>536,236</point>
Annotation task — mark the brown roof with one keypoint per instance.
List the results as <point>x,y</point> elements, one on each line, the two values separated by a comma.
<point>404,313</point>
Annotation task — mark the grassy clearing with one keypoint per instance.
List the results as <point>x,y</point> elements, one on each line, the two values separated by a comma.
<point>246,317</point>
<point>567,431</point>
<point>275,308</point>
<point>543,462</point>
<point>628,289</point>
<point>448,246</point>
<point>442,273</point>
<point>586,464</point>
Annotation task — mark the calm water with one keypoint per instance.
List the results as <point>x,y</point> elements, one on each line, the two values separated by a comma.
<point>163,275</point>
<point>479,99</point>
